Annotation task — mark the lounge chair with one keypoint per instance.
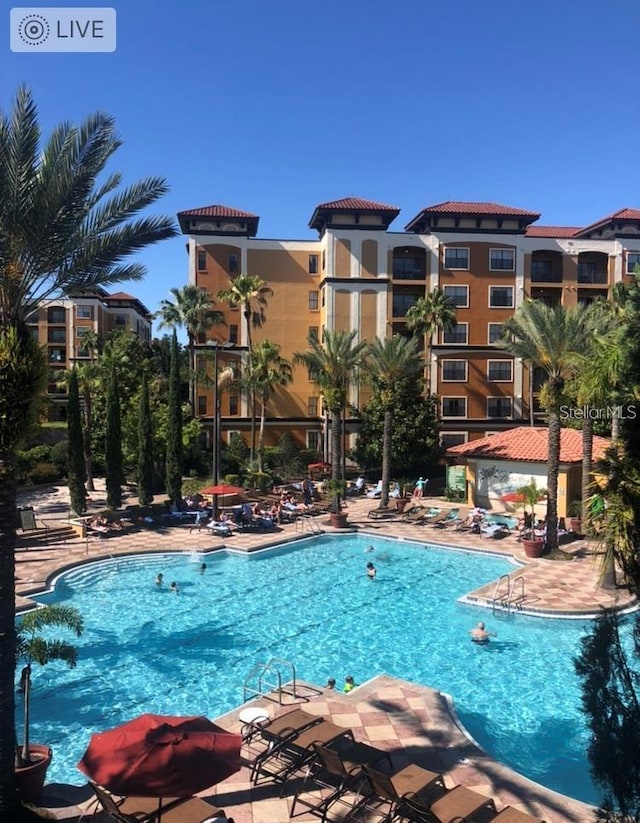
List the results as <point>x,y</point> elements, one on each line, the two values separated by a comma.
<point>456,517</point>
<point>265,734</point>
<point>416,511</point>
<point>460,803</point>
<point>294,751</point>
<point>494,530</point>
<point>336,776</point>
<point>140,809</point>
<point>388,790</point>
<point>376,491</point>
<point>451,514</point>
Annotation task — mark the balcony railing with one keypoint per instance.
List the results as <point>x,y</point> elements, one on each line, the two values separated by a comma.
<point>587,274</point>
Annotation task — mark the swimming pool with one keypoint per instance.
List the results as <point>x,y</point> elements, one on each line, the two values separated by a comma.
<point>146,649</point>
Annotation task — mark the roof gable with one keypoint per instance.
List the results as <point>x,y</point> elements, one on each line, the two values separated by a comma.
<point>453,212</point>
<point>353,213</point>
<point>218,219</point>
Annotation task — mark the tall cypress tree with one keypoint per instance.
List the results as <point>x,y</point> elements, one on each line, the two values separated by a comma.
<point>173,471</point>
<point>112,446</point>
<point>145,446</point>
<point>76,469</point>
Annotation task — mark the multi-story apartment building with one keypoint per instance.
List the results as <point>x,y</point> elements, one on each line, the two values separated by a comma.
<point>60,325</point>
<point>358,274</point>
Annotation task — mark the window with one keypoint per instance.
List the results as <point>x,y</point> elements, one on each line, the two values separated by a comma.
<point>57,336</point>
<point>311,376</point>
<point>84,312</point>
<point>233,404</point>
<point>314,441</point>
<point>459,334</point>
<point>202,405</point>
<point>454,406</point>
<point>33,317</point>
<point>313,332</point>
<point>408,268</point>
<point>502,259</point>
<point>82,330</point>
<point>454,371</point>
<point>313,301</point>
<point>56,315</point>
<point>456,258</point>
<point>402,303</point>
<point>313,264</point>
<point>458,295</point>
<point>633,260</point>
<point>233,332</point>
<point>539,378</point>
<point>202,260</point>
<point>501,297</point>
<point>495,332</point>
<point>500,371</point>
<point>312,406</point>
<point>324,260</point>
<point>499,406</point>
<point>592,272</point>
<point>120,320</point>
<point>542,271</point>
<point>449,439</point>
<point>233,263</point>
<point>56,355</point>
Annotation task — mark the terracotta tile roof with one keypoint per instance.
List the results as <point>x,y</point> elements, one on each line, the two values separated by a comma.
<point>120,295</point>
<point>528,444</point>
<point>621,214</point>
<point>462,207</point>
<point>552,231</point>
<point>357,204</point>
<point>215,211</point>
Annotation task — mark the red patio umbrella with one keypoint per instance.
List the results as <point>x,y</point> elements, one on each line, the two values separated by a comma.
<point>158,756</point>
<point>512,497</point>
<point>318,466</point>
<point>221,490</point>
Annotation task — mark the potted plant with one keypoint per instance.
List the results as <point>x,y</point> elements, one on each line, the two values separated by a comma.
<point>32,760</point>
<point>533,545</point>
<point>337,490</point>
<point>575,516</point>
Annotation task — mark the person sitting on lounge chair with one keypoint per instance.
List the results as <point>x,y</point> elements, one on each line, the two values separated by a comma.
<point>357,488</point>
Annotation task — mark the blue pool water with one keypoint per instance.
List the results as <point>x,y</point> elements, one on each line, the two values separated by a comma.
<point>148,650</point>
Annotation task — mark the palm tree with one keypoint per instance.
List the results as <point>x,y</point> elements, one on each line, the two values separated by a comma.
<point>250,292</point>
<point>268,371</point>
<point>391,362</point>
<point>548,337</point>
<point>428,315</point>
<point>65,226</point>
<point>334,365</point>
<point>194,311</point>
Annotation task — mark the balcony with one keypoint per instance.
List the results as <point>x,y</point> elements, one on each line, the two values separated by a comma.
<point>590,273</point>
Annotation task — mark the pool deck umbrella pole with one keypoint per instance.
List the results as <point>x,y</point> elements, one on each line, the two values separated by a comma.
<point>158,756</point>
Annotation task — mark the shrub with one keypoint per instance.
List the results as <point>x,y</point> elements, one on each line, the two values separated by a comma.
<point>59,455</point>
<point>43,473</point>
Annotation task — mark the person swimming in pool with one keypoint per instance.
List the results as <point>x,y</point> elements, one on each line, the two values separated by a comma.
<point>479,634</point>
<point>174,588</point>
<point>349,684</point>
<point>159,579</point>
<point>371,570</point>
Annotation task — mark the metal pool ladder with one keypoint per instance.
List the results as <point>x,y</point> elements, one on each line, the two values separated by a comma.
<point>509,599</point>
<point>266,678</point>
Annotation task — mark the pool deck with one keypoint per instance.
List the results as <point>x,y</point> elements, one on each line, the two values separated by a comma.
<point>413,722</point>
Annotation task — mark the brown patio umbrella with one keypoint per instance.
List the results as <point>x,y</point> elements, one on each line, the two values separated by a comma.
<point>158,756</point>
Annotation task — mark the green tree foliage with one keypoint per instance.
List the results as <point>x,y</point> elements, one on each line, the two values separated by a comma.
<point>145,446</point>
<point>112,447</point>
<point>173,465</point>
<point>76,469</point>
<point>611,701</point>
<point>235,456</point>
<point>415,439</point>
<point>66,225</point>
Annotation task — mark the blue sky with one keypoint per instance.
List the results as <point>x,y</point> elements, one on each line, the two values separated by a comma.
<point>274,106</point>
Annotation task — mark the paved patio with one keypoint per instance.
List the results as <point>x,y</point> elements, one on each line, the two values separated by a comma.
<point>412,722</point>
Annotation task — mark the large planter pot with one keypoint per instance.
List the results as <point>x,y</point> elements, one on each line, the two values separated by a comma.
<point>533,547</point>
<point>338,520</point>
<point>30,779</point>
<point>576,525</point>
<point>401,503</point>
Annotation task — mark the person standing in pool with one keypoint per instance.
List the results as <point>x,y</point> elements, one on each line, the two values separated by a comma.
<point>479,634</point>
<point>174,587</point>
<point>371,570</point>
<point>159,579</point>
